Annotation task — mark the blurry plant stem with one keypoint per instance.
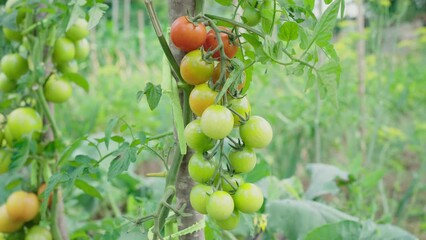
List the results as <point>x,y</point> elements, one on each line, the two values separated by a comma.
<point>361,79</point>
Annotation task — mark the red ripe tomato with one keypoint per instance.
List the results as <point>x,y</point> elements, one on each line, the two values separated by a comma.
<point>201,97</point>
<point>22,206</point>
<point>186,35</point>
<point>230,45</point>
<point>194,69</point>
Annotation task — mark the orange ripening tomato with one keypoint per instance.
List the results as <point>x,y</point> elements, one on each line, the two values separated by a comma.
<point>216,76</point>
<point>186,35</point>
<point>230,45</point>
<point>201,97</point>
<point>40,192</point>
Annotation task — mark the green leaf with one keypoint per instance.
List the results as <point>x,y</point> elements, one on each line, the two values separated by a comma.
<point>78,79</point>
<point>51,185</point>
<point>123,156</point>
<point>329,75</point>
<point>9,20</point>
<point>20,153</point>
<point>323,180</point>
<point>153,95</point>
<point>261,170</point>
<point>288,31</point>
<point>108,131</point>
<point>118,139</point>
<point>87,188</point>
<point>324,28</point>
<point>224,2</point>
<point>69,150</point>
<point>309,4</point>
<point>96,13</point>
<point>340,230</point>
<point>76,12</point>
<point>252,39</point>
<point>327,1</point>
<point>295,218</point>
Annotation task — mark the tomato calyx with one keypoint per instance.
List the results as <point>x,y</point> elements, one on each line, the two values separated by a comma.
<point>235,144</point>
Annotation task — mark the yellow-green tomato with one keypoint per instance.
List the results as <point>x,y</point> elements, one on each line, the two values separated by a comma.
<point>199,196</point>
<point>242,107</point>
<point>68,67</point>
<point>8,225</point>
<point>194,69</point>
<point>78,30</point>
<point>231,183</point>
<point>248,198</point>
<point>196,139</point>
<point>22,122</point>
<point>217,122</point>
<point>5,159</point>
<point>82,49</point>
<point>256,132</point>
<point>220,205</point>
<point>231,222</point>
<point>6,85</point>
<point>12,35</point>
<point>38,233</point>
<point>64,50</point>
<point>200,169</point>
<point>14,66</point>
<point>57,90</point>
<point>200,98</point>
<point>243,161</point>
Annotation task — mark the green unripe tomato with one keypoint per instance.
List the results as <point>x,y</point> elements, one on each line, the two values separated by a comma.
<point>64,50</point>
<point>38,233</point>
<point>57,90</point>
<point>231,222</point>
<point>82,49</point>
<point>14,66</point>
<point>5,159</point>
<point>8,136</point>
<point>217,122</point>
<point>231,183</point>
<point>256,132</point>
<point>251,16</point>
<point>199,196</point>
<point>220,205</point>
<point>22,122</point>
<point>6,85</point>
<point>68,67</point>
<point>200,169</point>
<point>243,161</point>
<point>242,107</point>
<point>196,139</point>
<point>248,198</point>
<point>78,30</point>
<point>12,35</point>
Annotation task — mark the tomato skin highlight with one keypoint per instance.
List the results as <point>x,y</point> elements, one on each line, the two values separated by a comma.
<point>243,161</point>
<point>199,196</point>
<point>200,98</point>
<point>256,132</point>
<point>220,205</point>
<point>21,122</point>
<point>196,139</point>
<point>217,122</point>
<point>187,36</point>
<point>14,66</point>
<point>248,198</point>
<point>7,224</point>
<point>211,43</point>
<point>231,222</point>
<point>194,69</point>
<point>22,206</point>
<point>200,169</point>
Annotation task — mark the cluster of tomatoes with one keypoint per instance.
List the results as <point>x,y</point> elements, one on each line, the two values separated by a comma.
<point>21,208</point>
<point>221,192</point>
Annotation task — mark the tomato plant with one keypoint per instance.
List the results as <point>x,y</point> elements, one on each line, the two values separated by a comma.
<point>22,122</point>
<point>194,69</point>
<point>187,35</point>
<point>57,90</point>
<point>220,205</point>
<point>196,139</point>
<point>217,122</point>
<point>230,42</point>
<point>38,233</point>
<point>201,97</point>
<point>199,196</point>
<point>256,132</point>
<point>22,206</point>
<point>201,169</point>
<point>14,66</point>
<point>248,198</point>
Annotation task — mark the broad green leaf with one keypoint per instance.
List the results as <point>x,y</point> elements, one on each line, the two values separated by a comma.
<point>78,79</point>
<point>340,230</point>
<point>295,218</point>
<point>288,31</point>
<point>326,24</point>
<point>252,39</point>
<point>108,131</point>
<point>20,153</point>
<point>70,149</point>
<point>153,95</point>
<point>309,4</point>
<point>96,13</point>
<point>261,170</point>
<point>87,188</point>
<point>323,180</point>
<point>224,2</point>
<point>76,12</point>
<point>124,155</point>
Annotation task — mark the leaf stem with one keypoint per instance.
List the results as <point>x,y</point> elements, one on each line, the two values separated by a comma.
<point>46,111</point>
